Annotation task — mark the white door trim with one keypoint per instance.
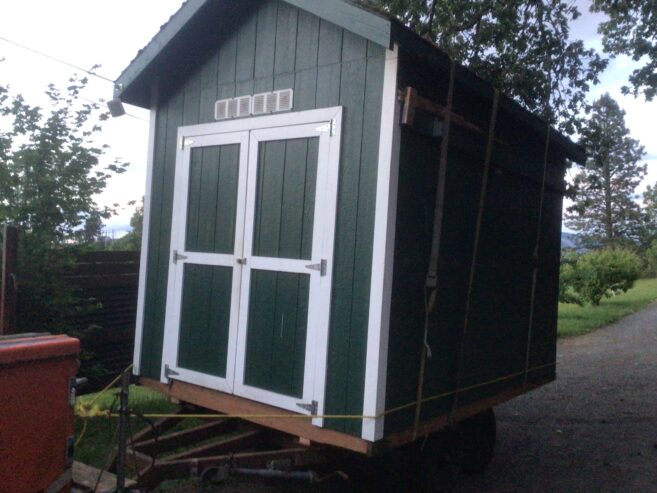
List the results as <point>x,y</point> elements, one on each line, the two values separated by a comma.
<point>303,125</point>
<point>382,254</point>
<point>176,270</point>
<point>247,131</point>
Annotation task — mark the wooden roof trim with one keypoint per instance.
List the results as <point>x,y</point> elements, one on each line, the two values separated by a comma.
<point>159,42</point>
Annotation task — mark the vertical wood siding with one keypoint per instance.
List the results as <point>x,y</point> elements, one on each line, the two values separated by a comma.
<point>278,46</point>
<point>496,342</point>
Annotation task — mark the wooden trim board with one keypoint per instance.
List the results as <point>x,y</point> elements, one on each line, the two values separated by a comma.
<point>143,263</point>
<point>383,252</point>
<point>234,405</point>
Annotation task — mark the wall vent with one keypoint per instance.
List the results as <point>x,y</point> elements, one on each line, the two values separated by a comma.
<point>259,104</point>
<point>221,110</point>
<point>285,100</point>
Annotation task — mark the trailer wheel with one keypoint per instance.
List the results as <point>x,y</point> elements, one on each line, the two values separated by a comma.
<point>441,461</point>
<point>477,436</point>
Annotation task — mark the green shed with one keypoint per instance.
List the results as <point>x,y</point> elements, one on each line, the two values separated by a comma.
<point>339,224</point>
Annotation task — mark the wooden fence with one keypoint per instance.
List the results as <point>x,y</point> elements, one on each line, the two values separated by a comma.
<point>107,283</point>
<point>109,280</point>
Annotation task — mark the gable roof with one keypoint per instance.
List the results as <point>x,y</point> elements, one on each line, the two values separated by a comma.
<point>195,26</point>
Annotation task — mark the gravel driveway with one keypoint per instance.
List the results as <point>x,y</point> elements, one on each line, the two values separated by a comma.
<point>594,429</point>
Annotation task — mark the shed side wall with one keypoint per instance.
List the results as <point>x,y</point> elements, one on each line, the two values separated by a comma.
<point>277,46</point>
<point>496,343</point>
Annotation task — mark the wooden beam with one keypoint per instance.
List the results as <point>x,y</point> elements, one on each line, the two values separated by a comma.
<point>235,405</point>
<point>440,422</point>
<point>413,101</point>
<point>180,439</point>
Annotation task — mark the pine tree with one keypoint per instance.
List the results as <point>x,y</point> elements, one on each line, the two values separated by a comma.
<point>605,211</point>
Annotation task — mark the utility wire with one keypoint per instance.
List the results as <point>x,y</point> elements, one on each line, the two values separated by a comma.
<point>58,60</point>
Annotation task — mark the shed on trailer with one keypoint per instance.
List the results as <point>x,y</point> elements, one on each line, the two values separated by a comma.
<point>331,232</point>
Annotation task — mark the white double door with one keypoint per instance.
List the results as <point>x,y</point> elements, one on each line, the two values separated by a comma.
<point>249,284</point>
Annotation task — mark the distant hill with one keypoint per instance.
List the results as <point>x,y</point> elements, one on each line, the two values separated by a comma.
<point>570,241</point>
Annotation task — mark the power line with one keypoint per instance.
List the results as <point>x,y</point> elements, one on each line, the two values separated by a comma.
<point>58,60</point>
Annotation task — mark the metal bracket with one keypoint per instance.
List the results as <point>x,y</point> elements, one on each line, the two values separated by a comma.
<point>168,372</point>
<point>330,127</point>
<point>241,261</point>
<point>321,267</point>
<point>185,142</point>
<point>177,256</point>
<point>311,408</point>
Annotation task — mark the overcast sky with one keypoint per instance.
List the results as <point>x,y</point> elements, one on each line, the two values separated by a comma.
<point>110,32</point>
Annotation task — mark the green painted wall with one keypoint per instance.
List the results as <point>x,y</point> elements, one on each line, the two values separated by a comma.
<point>496,342</point>
<point>276,46</point>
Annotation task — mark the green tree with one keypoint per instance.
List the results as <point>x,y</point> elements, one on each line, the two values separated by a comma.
<point>605,211</point>
<point>632,30</point>
<point>50,174</point>
<point>521,46</point>
<point>93,228</point>
<point>132,240</point>
<point>649,216</point>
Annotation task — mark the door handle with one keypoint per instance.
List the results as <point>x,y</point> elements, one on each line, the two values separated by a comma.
<point>321,267</point>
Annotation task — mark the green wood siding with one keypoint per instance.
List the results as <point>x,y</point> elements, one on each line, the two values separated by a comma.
<point>496,342</point>
<point>278,46</point>
<point>285,198</point>
<point>276,341</point>
<point>205,318</point>
<point>213,176</point>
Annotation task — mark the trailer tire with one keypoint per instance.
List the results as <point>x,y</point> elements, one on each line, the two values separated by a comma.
<point>477,439</point>
<point>441,461</point>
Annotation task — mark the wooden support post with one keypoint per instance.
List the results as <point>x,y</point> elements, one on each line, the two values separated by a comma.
<point>8,280</point>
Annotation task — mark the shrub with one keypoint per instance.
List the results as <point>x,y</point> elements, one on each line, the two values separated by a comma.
<point>651,258</point>
<point>599,274</point>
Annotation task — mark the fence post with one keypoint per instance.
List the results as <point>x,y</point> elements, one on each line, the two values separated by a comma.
<point>8,280</point>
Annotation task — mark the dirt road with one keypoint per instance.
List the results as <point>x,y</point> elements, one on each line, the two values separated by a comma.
<point>594,429</point>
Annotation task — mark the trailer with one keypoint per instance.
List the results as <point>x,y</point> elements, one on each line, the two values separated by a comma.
<point>348,238</point>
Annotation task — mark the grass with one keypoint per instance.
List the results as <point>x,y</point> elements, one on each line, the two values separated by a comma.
<point>577,320</point>
<point>100,437</point>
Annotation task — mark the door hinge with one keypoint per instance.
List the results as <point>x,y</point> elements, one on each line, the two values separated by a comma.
<point>168,372</point>
<point>321,267</point>
<point>330,127</point>
<point>312,408</point>
<point>185,142</point>
<point>177,256</point>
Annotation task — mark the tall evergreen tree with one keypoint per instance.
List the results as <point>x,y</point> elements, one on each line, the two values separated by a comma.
<point>605,211</point>
<point>521,46</point>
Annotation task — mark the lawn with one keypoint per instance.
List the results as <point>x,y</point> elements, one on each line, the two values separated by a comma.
<point>100,435</point>
<point>577,320</point>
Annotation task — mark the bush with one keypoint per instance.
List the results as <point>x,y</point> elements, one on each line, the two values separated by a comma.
<point>651,259</point>
<point>598,274</point>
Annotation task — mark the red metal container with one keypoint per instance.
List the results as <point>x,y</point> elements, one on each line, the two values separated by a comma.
<point>36,413</point>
